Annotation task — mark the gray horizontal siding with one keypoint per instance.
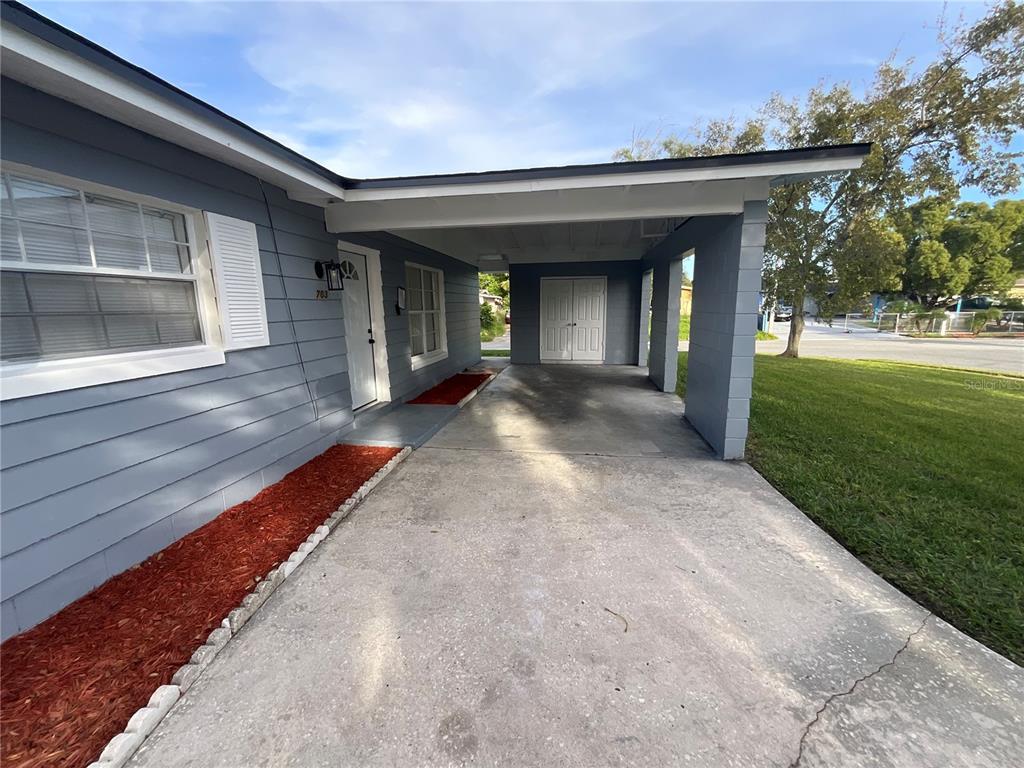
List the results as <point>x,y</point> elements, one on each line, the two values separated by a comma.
<point>94,480</point>
<point>622,327</point>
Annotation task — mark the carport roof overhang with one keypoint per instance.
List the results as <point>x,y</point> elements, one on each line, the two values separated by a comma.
<point>607,191</point>
<point>463,214</point>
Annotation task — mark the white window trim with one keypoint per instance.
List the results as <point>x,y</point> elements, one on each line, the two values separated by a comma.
<point>441,353</point>
<point>18,380</point>
<point>26,380</point>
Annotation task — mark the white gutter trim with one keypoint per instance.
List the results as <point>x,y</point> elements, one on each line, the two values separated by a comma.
<point>70,77</point>
<point>752,171</point>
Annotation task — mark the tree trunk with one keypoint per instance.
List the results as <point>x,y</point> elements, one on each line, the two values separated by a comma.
<point>796,328</point>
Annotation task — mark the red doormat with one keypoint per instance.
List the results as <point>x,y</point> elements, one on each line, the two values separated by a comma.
<point>450,391</point>
<point>71,683</point>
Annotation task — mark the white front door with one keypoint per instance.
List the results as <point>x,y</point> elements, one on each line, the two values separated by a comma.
<point>572,318</point>
<point>588,319</point>
<point>355,300</point>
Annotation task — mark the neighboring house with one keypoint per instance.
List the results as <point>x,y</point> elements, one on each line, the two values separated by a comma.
<point>495,301</point>
<point>686,300</point>
<point>169,348</point>
<point>811,308</point>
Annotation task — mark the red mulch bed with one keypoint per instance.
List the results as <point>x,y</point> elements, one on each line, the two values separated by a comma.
<point>450,391</point>
<point>71,683</point>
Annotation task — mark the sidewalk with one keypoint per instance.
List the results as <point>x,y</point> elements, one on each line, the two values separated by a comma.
<point>501,342</point>
<point>819,340</point>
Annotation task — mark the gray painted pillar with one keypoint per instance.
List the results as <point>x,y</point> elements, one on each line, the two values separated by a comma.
<point>664,356</point>
<point>720,365</point>
<point>645,318</point>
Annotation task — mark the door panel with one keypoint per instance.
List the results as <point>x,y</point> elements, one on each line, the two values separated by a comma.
<point>556,311</point>
<point>358,329</point>
<point>588,315</point>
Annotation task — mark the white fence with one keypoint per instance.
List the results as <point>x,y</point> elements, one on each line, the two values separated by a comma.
<point>1012,322</point>
<point>854,322</point>
<point>947,323</point>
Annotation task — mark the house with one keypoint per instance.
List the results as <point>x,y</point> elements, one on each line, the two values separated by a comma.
<point>494,301</point>
<point>174,339</point>
<point>686,299</point>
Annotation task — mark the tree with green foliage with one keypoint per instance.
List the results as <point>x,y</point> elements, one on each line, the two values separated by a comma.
<point>492,324</point>
<point>981,320</point>
<point>496,284</point>
<point>959,250</point>
<point>934,129</point>
<point>486,315</point>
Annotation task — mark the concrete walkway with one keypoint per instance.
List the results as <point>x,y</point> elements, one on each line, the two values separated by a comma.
<point>564,575</point>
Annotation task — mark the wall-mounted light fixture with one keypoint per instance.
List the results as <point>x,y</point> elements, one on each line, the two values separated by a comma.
<point>400,300</point>
<point>331,271</point>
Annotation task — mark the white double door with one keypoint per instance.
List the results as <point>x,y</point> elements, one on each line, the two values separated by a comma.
<point>572,318</point>
<point>359,338</point>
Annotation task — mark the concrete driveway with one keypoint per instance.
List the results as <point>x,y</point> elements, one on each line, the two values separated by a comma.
<point>565,576</point>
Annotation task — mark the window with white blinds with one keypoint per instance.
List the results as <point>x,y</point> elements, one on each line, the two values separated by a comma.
<point>85,274</point>
<point>424,289</point>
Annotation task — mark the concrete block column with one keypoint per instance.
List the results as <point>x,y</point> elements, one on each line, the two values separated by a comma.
<point>664,354</point>
<point>723,322</point>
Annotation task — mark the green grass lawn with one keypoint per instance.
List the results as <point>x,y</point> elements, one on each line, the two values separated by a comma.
<point>917,470</point>
<point>496,353</point>
<point>684,331</point>
<point>492,331</point>
<point>684,327</point>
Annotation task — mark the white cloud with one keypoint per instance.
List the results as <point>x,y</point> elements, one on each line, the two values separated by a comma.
<point>376,89</point>
<point>388,90</point>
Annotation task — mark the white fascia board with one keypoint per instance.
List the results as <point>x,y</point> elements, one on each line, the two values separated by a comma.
<point>543,207</point>
<point>53,70</point>
<point>766,170</point>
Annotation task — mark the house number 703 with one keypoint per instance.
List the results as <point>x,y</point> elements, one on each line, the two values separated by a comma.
<point>321,294</point>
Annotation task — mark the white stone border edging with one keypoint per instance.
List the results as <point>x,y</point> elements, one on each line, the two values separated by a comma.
<point>476,391</point>
<point>120,749</point>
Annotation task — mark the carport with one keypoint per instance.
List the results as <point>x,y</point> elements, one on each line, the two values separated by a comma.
<point>594,257</point>
<point>564,575</point>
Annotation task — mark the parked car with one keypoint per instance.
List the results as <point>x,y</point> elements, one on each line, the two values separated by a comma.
<point>974,304</point>
<point>783,312</point>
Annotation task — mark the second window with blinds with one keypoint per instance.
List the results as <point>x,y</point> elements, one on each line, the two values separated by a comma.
<point>425,305</point>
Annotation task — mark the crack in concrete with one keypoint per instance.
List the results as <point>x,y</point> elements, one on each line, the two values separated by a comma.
<point>849,691</point>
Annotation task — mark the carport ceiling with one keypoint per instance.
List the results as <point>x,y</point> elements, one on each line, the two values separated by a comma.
<point>495,247</point>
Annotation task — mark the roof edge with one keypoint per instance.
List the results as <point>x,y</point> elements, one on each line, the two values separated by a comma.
<point>833,151</point>
<point>51,32</point>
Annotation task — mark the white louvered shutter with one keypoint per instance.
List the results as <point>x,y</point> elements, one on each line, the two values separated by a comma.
<point>235,253</point>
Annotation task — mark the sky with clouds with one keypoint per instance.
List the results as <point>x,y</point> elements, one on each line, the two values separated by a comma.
<point>381,89</point>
